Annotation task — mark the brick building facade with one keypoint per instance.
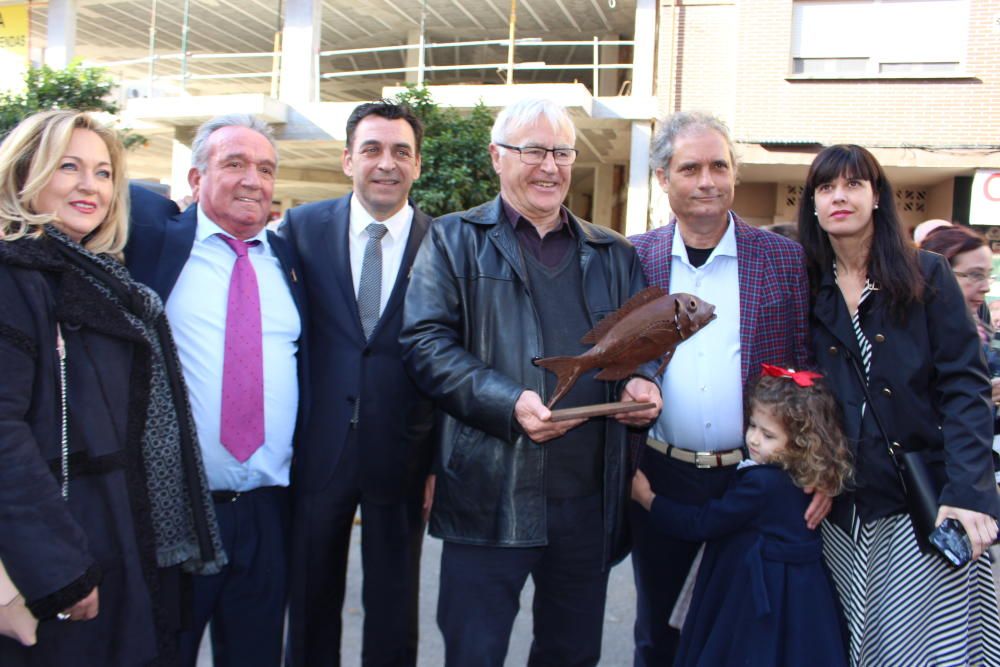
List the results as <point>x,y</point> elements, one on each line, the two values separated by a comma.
<point>925,109</point>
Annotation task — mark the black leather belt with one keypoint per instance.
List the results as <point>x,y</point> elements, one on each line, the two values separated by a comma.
<point>232,496</point>
<point>226,496</point>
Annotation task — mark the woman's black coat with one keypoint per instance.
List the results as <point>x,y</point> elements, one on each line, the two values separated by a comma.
<point>56,551</point>
<point>928,384</point>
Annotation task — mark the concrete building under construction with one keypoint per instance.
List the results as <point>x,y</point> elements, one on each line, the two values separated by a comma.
<point>915,81</point>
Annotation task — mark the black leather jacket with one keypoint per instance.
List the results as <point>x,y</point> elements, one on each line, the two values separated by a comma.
<point>928,384</point>
<point>469,334</point>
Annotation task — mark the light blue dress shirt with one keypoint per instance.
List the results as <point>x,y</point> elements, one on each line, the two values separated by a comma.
<point>702,386</point>
<point>196,309</point>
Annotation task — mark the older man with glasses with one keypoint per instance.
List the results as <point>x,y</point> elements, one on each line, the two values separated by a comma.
<point>518,494</point>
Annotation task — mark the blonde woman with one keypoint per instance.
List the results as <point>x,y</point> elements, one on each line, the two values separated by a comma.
<point>103,502</point>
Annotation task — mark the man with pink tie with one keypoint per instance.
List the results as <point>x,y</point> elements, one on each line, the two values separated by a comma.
<point>234,303</point>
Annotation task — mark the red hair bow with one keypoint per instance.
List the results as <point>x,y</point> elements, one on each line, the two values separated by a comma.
<point>801,378</point>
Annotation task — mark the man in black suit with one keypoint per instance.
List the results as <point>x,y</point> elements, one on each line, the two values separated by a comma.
<point>235,306</point>
<point>367,442</point>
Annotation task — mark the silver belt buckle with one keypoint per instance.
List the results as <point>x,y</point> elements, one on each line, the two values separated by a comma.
<point>709,455</point>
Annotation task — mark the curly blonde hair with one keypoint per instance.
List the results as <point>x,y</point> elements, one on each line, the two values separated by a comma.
<point>30,155</point>
<point>816,454</point>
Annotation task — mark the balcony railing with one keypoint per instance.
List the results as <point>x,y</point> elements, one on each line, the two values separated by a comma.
<point>330,65</point>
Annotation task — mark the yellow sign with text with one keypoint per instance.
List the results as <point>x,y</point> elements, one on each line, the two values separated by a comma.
<point>14,56</point>
<point>14,30</point>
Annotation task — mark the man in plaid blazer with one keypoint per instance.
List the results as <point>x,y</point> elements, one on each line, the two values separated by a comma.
<point>757,281</point>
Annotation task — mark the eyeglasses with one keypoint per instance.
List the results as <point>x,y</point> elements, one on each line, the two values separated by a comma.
<point>533,155</point>
<point>975,276</point>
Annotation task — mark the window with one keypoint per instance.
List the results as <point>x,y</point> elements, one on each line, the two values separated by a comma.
<point>879,37</point>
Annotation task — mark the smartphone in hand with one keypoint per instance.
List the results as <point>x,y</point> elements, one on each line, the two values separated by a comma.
<point>951,541</point>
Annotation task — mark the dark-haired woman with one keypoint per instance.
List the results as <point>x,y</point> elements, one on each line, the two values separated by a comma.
<point>885,313</point>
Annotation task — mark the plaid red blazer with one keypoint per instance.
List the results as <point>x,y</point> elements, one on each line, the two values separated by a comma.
<point>774,292</point>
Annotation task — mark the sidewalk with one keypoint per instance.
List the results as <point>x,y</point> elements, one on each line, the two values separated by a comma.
<point>619,615</point>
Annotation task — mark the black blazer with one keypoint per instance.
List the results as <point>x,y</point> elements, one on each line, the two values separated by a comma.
<point>159,246</point>
<point>928,384</point>
<point>395,419</point>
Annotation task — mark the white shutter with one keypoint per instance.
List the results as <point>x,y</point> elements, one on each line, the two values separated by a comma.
<point>832,29</point>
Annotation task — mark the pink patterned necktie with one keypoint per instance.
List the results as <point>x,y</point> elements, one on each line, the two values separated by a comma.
<point>242,420</point>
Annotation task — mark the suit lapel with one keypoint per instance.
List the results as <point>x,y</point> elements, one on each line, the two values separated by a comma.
<point>289,268</point>
<point>336,234</point>
<point>421,222</point>
<point>178,238</point>
<point>668,252</point>
<point>751,275</point>
<point>830,311</point>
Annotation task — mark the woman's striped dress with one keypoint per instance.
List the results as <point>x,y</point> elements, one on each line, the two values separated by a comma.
<point>903,607</point>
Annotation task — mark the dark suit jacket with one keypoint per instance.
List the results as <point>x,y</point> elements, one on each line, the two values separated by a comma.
<point>146,206</point>
<point>395,419</point>
<point>159,246</point>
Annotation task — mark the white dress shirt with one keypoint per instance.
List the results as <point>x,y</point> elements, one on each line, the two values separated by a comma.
<point>703,385</point>
<point>393,245</point>
<point>196,309</point>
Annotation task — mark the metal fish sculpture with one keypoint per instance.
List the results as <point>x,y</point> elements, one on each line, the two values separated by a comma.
<point>650,325</point>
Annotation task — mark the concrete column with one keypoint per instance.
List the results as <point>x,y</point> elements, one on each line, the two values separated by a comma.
<point>299,46</point>
<point>413,56</point>
<point>609,79</point>
<point>180,162</point>
<point>60,33</point>
<point>644,51</point>
<point>604,194</point>
<point>637,210</point>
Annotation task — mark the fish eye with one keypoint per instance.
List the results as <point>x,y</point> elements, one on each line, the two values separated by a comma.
<point>692,306</point>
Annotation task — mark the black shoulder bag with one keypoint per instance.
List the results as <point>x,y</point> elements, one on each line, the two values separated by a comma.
<point>921,482</point>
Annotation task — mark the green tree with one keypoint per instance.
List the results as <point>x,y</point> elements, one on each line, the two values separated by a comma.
<point>456,172</point>
<point>76,87</point>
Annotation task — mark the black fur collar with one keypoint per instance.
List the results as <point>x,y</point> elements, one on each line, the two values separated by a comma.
<point>78,303</point>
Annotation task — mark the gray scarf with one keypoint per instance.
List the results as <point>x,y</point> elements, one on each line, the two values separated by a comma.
<point>173,498</point>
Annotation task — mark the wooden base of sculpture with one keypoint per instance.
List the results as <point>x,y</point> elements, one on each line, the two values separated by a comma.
<point>598,410</point>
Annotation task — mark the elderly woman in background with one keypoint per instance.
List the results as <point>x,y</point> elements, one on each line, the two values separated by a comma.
<point>972,263</point>
<point>889,316</point>
<point>103,500</point>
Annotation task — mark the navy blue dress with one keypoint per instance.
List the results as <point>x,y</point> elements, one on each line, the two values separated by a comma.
<point>763,597</point>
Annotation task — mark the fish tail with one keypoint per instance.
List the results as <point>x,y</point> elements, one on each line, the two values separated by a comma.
<point>567,370</point>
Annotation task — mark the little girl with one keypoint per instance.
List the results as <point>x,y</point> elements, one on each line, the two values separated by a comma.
<point>763,596</point>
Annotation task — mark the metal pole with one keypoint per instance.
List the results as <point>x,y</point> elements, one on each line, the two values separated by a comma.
<point>152,50</point>
<point>671,59</point>
<point>420,53</point>
<point>184,46</point>
<point>597,50</point>
<point>510,44</point>
<point>276,59</point>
